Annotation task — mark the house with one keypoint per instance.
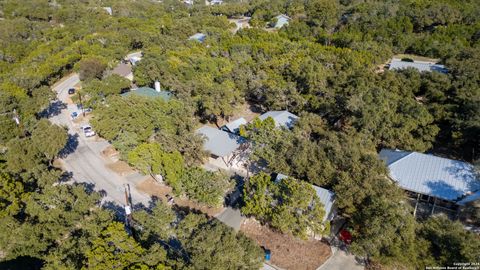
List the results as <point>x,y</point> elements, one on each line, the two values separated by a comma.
<point>216,2</point>
<point>327,198</point>
<point>200,37</point>
<point>240,23</point>
<point>281,20</point>
<point>124,70</point>
<point>221,145</point>
<point>134,58</point>
<point>421,66</point>
<point>443,184</point>
<point>281,118</point>
<point>234,126</point>
<point>149,93</point>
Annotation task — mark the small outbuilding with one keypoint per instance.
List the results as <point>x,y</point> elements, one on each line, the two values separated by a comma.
<point>281,118</point>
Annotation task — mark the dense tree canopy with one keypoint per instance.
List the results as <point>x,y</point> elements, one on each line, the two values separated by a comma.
<point>327,65</point>
<point>290,206</point>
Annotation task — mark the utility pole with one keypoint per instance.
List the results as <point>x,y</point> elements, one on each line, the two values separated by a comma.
<point>81,104</point>
<point>128,208</point>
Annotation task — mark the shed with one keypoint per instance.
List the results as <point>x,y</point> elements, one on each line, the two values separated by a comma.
<point>281,118</point>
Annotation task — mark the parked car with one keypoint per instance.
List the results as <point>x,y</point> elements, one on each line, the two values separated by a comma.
<point>71,91</point>
<point>88,110</point>
<point>74,115</point>
<point>88,131</point>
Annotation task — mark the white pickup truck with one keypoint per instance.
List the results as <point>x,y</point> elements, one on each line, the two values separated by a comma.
<point>88,131</point>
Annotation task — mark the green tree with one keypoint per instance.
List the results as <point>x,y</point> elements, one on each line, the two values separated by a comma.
<point>150,159</point>
<point>449,241</point>
<point>215,246</point>
<point>257,201</point>
<point>290,205</point>
<point>50,139</point>
<point>204,186</point>
<point>114,248</point>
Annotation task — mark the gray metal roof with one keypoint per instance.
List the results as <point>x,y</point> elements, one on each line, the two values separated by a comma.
<point>235,125</point>
<point>219,142</point>
<point>326,197</point>
<point>440,177</point>
<point>281,118</point>
<point>421,66</point>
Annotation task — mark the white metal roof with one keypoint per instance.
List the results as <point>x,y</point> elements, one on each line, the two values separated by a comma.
<point>219,142</point>
<point>397,64</point>
<point>281,118</point>
<point>327,198</point>
<point>235,125</point>
<point>443,178</point>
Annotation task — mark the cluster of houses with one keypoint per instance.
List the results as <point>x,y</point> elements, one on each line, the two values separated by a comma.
<point>433,184</point>
<point>226,145</point>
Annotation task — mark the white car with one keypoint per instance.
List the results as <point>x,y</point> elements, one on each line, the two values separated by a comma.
<point>88,131</point>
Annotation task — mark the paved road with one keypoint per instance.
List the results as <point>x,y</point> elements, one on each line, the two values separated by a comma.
<point>231,217</point>
<point>341,261</point>
<point>85,162</point>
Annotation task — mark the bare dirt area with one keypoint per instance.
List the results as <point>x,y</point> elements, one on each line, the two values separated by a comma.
<point>111,153</point>
<point>151,187</point>
<point>121,167</point>
<point>287,252</point>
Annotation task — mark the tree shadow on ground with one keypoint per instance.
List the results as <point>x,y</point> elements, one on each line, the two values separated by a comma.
<point>54,109</point>
<point>23,262</point>
<point>70,147</point>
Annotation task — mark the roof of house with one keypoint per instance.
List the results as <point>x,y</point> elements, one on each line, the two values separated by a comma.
<point>421,66</point>
<point>282,20</point>
<point>122,69</point>
<point>326,197</point>
<point>281,118</point>
<point>234,126</point>
<point>439,177</point>
<point>219,142</point>
<point>198,37</point>
<point>108,10</point>
<point>150,93</point>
